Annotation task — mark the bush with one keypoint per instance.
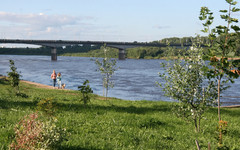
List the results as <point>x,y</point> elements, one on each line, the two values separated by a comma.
<point>27,133</point>
<point>14,76</point>
<point>85,90</point>
<point>186,82</point>
<point>35,133</point>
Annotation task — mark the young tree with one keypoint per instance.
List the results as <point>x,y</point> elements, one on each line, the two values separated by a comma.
<point>185,82</point>
<point>13,76</point>
<point>107,67</point>
<point>222,43</point>
<point>85,90</point>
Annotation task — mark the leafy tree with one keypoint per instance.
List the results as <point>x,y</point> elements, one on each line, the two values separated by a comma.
<point>13,76</point>
<point>185,82</point>
<point>222,41</point>
<point>85,90</point>
<point>107,67</point>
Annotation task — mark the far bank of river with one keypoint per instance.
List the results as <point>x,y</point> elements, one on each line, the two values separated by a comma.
<point>135,80</point>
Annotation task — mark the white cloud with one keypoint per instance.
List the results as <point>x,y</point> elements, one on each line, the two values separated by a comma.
<point>42,21</point>
<point>42,26</point>
<point>63,27</point>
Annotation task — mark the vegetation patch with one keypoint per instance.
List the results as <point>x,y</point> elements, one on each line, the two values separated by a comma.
<point>112,123</point>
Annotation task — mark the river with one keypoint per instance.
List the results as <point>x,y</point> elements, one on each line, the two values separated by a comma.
<point>134,80</point>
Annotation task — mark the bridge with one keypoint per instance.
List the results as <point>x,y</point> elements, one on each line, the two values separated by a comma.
<point>54,44</point>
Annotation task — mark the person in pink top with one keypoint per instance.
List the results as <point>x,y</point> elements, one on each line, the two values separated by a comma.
<point>53,77</point>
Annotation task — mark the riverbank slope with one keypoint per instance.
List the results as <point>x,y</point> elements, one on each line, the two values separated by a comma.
<point>113,123</point>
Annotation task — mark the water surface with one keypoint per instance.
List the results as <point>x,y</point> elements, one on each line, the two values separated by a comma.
<point>135,79</point>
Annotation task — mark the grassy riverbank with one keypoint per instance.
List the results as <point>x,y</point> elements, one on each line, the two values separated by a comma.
<point>114,123</point>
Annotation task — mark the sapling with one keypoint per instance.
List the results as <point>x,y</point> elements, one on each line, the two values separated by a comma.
<point>14,76</point>
<point>223,41</point>
<point>107,67</point>
<point>85,90</point>
<point>185,82</point>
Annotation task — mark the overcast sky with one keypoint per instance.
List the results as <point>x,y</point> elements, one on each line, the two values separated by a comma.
<point>103,20</point>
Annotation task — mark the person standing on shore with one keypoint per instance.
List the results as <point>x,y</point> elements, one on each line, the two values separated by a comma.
<point>53,77</point>
<point>59,80</point>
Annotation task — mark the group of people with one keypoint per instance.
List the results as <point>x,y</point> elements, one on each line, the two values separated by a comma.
<point>57,78</point>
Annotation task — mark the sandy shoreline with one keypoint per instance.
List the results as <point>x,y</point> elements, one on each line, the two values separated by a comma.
<point>39,85</point>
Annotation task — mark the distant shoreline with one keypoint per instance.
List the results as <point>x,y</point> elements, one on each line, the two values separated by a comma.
<point>37,85</point>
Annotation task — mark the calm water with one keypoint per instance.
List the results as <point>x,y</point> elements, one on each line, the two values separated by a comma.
<point>135,80</point>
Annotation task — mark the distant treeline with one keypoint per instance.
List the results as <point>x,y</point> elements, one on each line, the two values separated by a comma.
<point>47,50</point>
<point>184,40</point>
<point>135,53</point>
<point>88,50</point>
<point>203,40</point>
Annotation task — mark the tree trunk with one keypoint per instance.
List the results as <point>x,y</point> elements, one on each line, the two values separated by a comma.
<point>107,84</point>
<point>219,116</point>
<point>209,146</point>
<point>198,147</point>
<point>199,120</point>
<point>103,89</point>
<point>195,123</point>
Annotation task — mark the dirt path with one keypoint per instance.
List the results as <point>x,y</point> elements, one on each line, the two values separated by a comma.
<point>38,85</point>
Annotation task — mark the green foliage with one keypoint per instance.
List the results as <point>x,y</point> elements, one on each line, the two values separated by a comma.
<point>206,14</point>
<point>224,45</point>
<point>52,135</point>
<point>47,50</point>
<point>13,76</point>
<point>85,90</point>
<point>185,82</point>
<point>87,50</point>
<point>113,53</point>
<point>107,67</point>
<point>220,132</point>
<point>180,41</point>
<point>145,52</point>
<point>123,125</point>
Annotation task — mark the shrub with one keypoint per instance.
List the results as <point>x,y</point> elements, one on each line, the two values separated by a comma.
<point>13,75</point>
<point>221,130</point>
<point>85,90</point>
<point>186,83</point>
<point>35,133</point>
<point>27,132</point>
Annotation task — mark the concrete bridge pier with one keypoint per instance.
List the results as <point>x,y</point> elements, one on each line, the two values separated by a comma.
<point>54,54</point>
<point>121,54</point>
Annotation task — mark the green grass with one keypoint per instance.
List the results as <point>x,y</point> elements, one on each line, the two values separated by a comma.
<point>114,123</point>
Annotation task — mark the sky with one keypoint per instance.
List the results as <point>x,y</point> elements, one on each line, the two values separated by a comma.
<point>104,20</point>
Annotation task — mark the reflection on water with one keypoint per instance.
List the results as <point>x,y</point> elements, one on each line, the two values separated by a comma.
<point>135,80</point>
